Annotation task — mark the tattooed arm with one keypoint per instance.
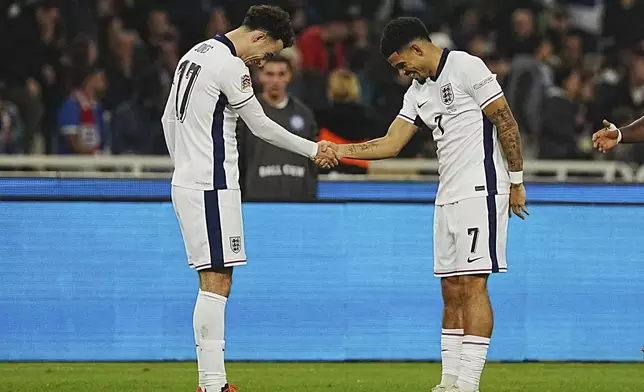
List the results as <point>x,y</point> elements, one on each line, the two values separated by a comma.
<point>499,113</point>
<point>387,146</point>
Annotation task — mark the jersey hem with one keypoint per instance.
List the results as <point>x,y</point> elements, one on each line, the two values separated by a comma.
<point>456,200</point>
<point>242,103</point>
<point>491,99</point>
<point>404,117</point>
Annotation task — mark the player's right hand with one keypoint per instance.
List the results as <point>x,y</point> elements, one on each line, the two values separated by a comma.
<point>606,139</point>
<point>327,156</point>
<point>517,201</point>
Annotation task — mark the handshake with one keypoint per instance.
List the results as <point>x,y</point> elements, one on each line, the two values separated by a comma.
<point>328,156</point>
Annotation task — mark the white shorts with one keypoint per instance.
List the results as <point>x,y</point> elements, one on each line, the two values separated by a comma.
<point>211,226</point>
<point>470,236</point>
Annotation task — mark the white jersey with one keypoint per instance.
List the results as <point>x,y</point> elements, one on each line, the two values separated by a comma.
<point>470,162</point>
<point>210,87</point>
<point>209,83</point>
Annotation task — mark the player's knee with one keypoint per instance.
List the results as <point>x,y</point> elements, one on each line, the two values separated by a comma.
<point>452,291</point>
<point>474,286</point>
<point>216,281</point>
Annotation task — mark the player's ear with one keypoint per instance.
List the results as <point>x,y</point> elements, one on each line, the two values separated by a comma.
<point>259,36</point>
<point>416,49</point>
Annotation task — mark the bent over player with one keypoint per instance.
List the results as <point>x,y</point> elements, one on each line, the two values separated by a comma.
<point>210,89</point>
<point>457,96</point>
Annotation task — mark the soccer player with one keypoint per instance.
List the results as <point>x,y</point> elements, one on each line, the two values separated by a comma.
<point>610,136</point>
<point>456,95</point>
<point>210,89</point>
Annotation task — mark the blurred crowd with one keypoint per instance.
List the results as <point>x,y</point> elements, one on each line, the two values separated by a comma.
<point>92,76</point>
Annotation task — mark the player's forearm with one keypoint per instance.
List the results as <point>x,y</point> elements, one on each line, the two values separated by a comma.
<point>380,148</point>
<point>388,146</point>
<point>509,136</point>
<point>271,132</point>
<point>634,132</point>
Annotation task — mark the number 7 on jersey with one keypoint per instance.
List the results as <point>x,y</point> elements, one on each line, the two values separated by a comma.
<point>191,76</point>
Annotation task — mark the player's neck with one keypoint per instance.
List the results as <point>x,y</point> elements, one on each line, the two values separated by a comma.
<point>276,101</point>
<point>435,54</point>
<point>239,40</point>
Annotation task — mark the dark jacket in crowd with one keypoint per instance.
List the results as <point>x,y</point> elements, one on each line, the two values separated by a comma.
<point>558,136</point>
<point>269,173</point>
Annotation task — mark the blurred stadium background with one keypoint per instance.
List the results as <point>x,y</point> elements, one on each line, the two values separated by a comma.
<point>91,261</point>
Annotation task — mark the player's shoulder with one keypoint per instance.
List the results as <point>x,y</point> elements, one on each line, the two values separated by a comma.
<point>459,61</point>
<point>216,56</point>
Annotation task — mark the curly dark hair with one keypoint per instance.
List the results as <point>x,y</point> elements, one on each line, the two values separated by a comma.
<point>272,20</point>
<point>401,31</point>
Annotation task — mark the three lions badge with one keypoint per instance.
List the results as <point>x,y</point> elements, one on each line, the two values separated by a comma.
<point>447,95</point>
<point>235,244</point>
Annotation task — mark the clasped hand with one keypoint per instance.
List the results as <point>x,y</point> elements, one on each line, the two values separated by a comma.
<point>328,156</point>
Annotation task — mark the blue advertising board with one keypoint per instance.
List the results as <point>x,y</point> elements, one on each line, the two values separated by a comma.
<point>83,281</point>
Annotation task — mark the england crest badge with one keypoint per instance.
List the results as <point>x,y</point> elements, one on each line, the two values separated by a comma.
<point>447,95</point>
<point>235,244</point>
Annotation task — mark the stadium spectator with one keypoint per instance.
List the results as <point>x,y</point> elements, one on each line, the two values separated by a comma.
<point>558,26</point>
<point>346,119</point>
<point>499,66</point>
<point>572,55</point>
<point>529,77</point>
<point>478,47</point>
<point>136,129</point>
<point>522,38</point>
<point>135,126</point>
<point>558,137</point>
<point>120,69</point>
<point>309,86</point>
<point>268,172</point>
<point>158,23</point>
<point>322,47</point>
<point>629,92</point>
<point>467,28</point>
<point>11,128</point>
<point>80,119</point>
<point>32,37</point>
<point>47,40</point>
<point>622,23</point>
<point>217,23</point>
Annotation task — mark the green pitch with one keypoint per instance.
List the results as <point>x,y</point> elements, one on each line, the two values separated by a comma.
<point>315,377</point>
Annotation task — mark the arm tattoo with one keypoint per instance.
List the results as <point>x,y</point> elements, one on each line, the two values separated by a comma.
<point>355,148</point>
<point>508,131</point>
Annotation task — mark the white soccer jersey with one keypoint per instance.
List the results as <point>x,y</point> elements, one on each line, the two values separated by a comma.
<point>470,162</point>
<point>199,122</point>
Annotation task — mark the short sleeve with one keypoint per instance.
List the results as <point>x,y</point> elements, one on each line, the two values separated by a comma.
<point>69,117</point>
<point>236,83</point>
<point>408,111</point>
<point>479,82</point>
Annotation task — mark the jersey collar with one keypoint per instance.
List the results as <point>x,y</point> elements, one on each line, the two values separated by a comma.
<point>441,65</point>
<point>224,40</point>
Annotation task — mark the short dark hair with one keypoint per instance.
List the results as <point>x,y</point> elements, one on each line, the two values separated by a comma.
<point>272,20</point>
<point>400,32</point>
<point>280,60</point>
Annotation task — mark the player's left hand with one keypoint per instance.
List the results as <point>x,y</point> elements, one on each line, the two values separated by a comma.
<point>327,155</point>
<point>517,201</point>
